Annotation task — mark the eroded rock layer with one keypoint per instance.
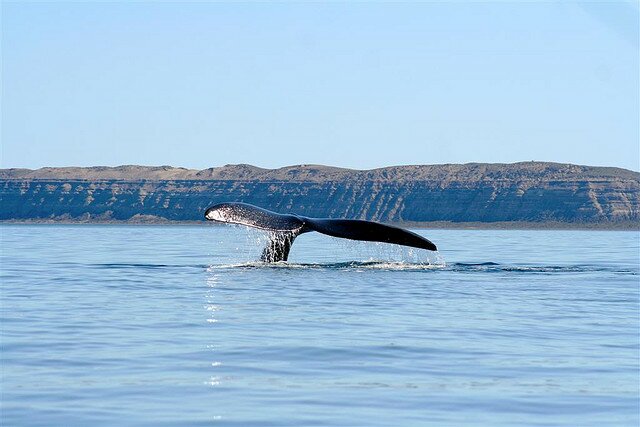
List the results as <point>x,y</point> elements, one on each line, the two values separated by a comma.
<point>532,191</point>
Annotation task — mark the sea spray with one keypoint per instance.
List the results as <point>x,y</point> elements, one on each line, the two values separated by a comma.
<point>247,246</point>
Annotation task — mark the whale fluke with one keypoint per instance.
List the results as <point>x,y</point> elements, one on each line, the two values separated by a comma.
<point>285,228</point>
<point>370,231</point>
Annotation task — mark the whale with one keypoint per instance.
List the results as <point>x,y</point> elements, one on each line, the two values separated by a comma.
<point>284,228</point>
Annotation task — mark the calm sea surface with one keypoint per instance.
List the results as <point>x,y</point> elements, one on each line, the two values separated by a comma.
<point>179,326</point>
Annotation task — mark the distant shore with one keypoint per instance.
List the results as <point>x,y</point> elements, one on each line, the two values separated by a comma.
<point>526,195</point>
<point>434,225</point>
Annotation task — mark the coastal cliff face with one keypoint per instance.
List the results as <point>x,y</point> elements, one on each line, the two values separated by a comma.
<point>532,192</point>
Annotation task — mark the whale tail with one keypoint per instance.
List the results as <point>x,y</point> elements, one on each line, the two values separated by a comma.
<point>285,228</point>
<point>369,231</point>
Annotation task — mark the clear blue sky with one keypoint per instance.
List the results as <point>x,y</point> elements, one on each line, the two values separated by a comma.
<point>358,85</point>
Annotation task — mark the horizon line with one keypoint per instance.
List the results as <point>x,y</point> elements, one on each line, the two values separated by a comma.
<point>303,165</point>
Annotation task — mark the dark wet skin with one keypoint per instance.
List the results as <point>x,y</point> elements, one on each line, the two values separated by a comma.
<point>285,228</point>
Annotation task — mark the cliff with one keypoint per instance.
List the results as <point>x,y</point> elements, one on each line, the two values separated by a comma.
<point>530,192</point>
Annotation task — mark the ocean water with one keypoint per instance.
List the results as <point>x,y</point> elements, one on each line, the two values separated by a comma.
<point>180,326</point>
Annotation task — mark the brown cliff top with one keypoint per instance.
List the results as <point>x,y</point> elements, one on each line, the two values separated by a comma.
<point>318,173</point>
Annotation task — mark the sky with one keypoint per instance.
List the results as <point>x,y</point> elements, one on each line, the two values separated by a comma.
<point>350,84</point>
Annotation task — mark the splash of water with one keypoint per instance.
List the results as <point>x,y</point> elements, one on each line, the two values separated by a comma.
<point>359,254</point>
